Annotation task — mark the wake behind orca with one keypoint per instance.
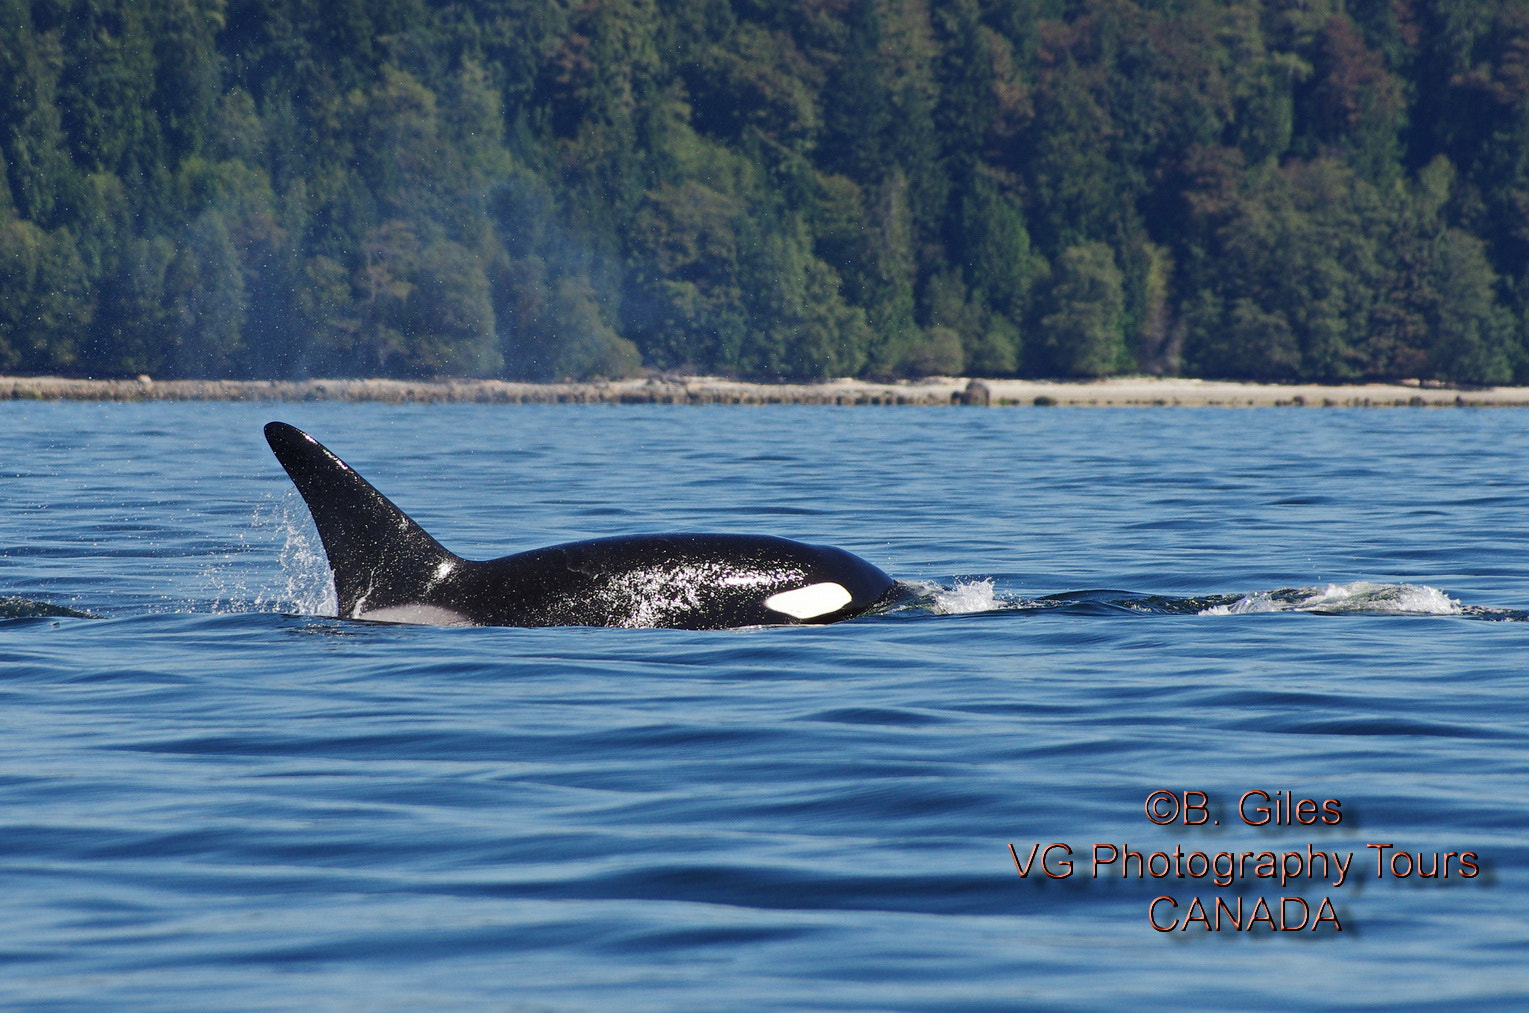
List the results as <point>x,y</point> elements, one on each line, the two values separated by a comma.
<point>387,569</point>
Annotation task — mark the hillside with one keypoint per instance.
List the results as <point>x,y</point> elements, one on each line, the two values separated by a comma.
<point>279,189</point>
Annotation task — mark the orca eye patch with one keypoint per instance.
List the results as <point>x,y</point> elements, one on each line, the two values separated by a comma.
<point>811,601</point>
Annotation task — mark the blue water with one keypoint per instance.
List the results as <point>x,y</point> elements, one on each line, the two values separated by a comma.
<point>213,796</point>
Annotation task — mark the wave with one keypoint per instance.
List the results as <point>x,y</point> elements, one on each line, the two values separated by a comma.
<point>1361,596</point>
<point>974,595</point>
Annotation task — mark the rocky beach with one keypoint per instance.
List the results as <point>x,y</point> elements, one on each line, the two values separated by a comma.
<point>1114,392</point>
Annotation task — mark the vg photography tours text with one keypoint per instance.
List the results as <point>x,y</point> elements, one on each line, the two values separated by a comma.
<point>1298,872</point>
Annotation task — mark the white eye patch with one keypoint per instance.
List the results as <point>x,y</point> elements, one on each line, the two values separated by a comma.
<point>811,601</point>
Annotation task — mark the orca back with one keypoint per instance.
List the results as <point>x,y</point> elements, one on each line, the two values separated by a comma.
<point>386,568</point>
<point>681,580</point>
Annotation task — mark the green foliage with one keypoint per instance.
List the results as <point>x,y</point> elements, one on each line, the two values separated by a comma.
<point>1473,333</point>
<point>799,326</point>
<point>1000,264</point>
<point>277,188</point>
<point>133,314</point>
<point>1084,334</point>
<point>555,328</point>
<point>205,284</point>
<point>43,298</point>
<point>551,322</point>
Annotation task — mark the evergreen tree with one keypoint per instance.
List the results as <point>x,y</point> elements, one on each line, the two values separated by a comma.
<point>1084,335</point>
<point>205,287</point>
<point>44,301</point>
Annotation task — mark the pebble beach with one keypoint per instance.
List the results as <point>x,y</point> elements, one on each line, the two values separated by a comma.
<point>1114,392</point>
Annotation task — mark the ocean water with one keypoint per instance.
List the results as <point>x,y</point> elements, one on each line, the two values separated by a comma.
<point>214,795</point>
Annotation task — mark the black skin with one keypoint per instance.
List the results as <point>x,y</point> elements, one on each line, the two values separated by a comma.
<point>381,560</point>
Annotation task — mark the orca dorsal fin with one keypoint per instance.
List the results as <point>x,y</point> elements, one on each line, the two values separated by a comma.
<point>379,557</point>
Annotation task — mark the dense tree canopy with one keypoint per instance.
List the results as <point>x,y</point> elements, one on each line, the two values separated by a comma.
<point>1324,189</point>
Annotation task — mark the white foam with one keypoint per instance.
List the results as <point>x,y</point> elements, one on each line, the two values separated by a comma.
<point>1359,596</point>
<point>967,597</point>
<point>1258,601</point>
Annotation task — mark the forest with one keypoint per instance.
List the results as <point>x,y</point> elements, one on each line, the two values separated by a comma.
<point>545,189</point>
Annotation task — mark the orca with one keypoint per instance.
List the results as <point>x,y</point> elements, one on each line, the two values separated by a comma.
<point>387,569</point>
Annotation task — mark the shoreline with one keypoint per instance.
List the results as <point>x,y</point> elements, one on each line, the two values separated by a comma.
<point>1113,392</point>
